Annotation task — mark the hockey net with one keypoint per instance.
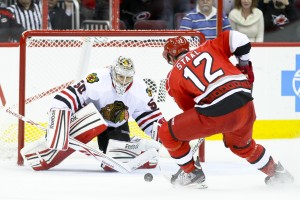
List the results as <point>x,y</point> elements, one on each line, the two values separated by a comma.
<point>52,60</point>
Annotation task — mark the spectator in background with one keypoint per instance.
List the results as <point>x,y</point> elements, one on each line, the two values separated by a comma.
<point>28,14</point>
<point>60,18</point>
<point>133,10</point>
<point>10,30</point>
<point>3,4</point>
<point>102,10</point>
<point>278,14</point>
<point>228,5</point>
<point>248,19</point>
<point>171,7</point>
<point>297,7</point>
<point>204,19</point>
<point>87,8</point>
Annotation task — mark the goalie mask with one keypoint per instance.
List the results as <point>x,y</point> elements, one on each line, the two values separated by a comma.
<point>174,47</point>
<point>122,74</point>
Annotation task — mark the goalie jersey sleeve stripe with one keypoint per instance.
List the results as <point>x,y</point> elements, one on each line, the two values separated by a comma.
<point>70,98</point>
<point>145,114</point>
<point>146,119</point>
<point>64,100</point>
<point>149,121</point>
<point>73,91</point>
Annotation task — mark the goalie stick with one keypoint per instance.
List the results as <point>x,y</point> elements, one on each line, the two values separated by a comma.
<point>98,155</point>
<point>2,97</point>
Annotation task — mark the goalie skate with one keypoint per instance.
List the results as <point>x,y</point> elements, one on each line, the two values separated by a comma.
<point>194,179</point>
<point>280,177</point>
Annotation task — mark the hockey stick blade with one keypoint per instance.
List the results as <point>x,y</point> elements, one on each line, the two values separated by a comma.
<point>99,156</point>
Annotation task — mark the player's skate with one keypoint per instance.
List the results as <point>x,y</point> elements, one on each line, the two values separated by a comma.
<point>280,177</point>
<point>194,179</point>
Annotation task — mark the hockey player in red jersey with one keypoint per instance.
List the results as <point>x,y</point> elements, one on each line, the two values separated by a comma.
<point>215,97</point>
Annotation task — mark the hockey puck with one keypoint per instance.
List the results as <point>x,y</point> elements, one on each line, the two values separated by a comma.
<point>148,177</point>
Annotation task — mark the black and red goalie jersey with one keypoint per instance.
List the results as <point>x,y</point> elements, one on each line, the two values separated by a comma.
<point>205,78</point>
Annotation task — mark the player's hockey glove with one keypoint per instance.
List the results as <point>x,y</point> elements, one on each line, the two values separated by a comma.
<point>248,71</point>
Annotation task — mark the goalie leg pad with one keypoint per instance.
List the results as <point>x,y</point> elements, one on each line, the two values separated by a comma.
<point>58,129</point>
<point>86,124</point>
<point>127,151</point>
<point>39,157</point>
<point>145,144</point>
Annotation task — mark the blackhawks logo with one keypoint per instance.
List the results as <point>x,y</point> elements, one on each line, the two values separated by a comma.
<point>115,112</point>
<point>92,78</point>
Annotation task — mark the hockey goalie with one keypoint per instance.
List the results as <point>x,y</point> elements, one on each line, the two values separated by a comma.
<point>100,105</point>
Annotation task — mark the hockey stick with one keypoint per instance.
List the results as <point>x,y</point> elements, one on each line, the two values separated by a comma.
<point>194,150</point>
<point>111,162</point>
<point>98,155</point>
<point>196,147</point>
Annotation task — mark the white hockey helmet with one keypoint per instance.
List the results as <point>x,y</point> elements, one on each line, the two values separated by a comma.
<point>122,74</point>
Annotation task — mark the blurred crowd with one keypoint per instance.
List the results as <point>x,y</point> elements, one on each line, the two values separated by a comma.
<point>260,20</point>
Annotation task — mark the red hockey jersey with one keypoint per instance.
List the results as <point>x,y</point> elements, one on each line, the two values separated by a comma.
<point>206,78</point>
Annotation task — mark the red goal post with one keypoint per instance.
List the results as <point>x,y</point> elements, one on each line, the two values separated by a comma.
<point>50,60</point>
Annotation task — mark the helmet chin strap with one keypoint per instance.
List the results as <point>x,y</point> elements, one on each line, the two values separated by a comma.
<point>172,60</point>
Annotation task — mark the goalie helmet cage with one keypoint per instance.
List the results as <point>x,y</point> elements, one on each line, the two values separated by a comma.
<point>52,60</point>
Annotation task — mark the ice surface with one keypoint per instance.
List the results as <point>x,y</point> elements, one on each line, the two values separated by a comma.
<point>80,178</point>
